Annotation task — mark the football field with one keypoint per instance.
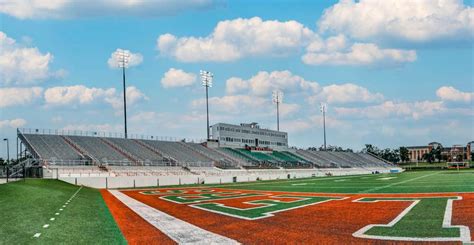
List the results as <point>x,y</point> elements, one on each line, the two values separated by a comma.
<point>425,206</point>
<point>407,182</point>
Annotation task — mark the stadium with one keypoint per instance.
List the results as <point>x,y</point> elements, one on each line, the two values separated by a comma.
<point>290,122</point>
<point>234,188</point>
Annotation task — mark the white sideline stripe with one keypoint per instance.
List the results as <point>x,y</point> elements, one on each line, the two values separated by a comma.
<point>464,236</point>
<point>37,235</point>
<point>178,230</point>
<point>52,219</point>
<point>45,226</point>
<point>397,183</point>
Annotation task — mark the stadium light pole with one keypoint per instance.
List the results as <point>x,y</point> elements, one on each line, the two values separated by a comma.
<point>8,150</point>
<point>123,57</point>
<point>277,99</point>
<point>206,78</point>
<point>324,109</point>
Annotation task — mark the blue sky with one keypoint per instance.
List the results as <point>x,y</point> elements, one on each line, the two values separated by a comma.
<point>390,75</point>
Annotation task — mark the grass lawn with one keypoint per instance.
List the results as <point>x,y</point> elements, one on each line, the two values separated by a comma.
<point>26,206</point>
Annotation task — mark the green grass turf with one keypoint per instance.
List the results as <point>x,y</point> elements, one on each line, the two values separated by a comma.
<point>407,182</point>
<point>424,220</point>
<point>25,206</point>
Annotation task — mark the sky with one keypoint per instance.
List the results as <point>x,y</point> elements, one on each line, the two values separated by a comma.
<point>392,72</point>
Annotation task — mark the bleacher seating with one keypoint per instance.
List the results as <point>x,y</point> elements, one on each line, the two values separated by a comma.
<point>71,150</point>
<point>100,150</point>
<point>140,152</point>
<point>180,153</point>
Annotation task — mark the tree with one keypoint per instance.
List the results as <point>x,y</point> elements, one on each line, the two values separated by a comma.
<point>437,153</point>
<point>429,157</point>
<point>404,157</point>
<point>369,148</point>
<point>2,162</point>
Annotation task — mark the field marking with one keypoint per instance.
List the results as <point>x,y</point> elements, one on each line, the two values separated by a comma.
<point>37,235</point>
<point>178,230</point>
<point>264,205</point>
<point>339,180</point>
<point>397,183</point>
<point>387,178</point>
<point>464,236</point>
<point>300,184</point>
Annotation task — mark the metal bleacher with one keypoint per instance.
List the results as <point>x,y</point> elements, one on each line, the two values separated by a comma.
<point>96,147</point>
<point>179,152</point>
<point>52,147</point>
<point>137,150</point>
<point>93,150</point>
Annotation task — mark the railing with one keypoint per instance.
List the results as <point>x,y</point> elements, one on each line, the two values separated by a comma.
<point>70,132</point>
<point>56,162</point>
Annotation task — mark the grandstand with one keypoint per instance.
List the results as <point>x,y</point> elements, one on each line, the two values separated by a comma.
<point>110,159</point>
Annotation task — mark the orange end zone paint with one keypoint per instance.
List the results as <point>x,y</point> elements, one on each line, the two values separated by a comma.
<point>134,228</point>
<point>327,223</point>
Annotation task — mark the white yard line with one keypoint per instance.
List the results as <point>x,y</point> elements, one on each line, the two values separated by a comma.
<point>37,235</point>
<point>397,183</point>
<point>178,230</point>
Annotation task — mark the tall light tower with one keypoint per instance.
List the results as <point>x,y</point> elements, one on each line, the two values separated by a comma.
<point>324,108</point>
<point>8,150</point>
<point>277,99</point>
<point>123,57</point>
<point>206,78</point>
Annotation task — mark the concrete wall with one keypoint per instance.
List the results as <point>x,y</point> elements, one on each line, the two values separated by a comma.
<point>152,181</point>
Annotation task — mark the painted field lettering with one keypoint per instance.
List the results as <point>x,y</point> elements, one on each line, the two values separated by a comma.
<point>264,208</point>
<point>194,198</point>
<point>426,219</point>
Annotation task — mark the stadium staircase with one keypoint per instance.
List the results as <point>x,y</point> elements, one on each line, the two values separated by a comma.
<point>294,156</point>
<point>202,154</point>
<point>172,161</point>
<point>123,152</point>
<point>243,155</point>
<point>79,150</point>
<point>227,158</point>
<point>28,145</point>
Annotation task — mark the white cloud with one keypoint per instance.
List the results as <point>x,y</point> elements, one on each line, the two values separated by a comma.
<point>419,21</point>
<point>234,39</point>
<point>345,93</point>
<point>234,104</point>
<point>134,95</point>
<point>80,94</point>
<point>263,83</point>
<point>19,96</point>
<point>134,59</point>
<point>448,93</point>
<point>415,110</point>
<point>75,94</point>
<point>358,54</point>
<point>14,123</point>
<point>58,9</point>
<point>21,65</point>
<point>177,78</point>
